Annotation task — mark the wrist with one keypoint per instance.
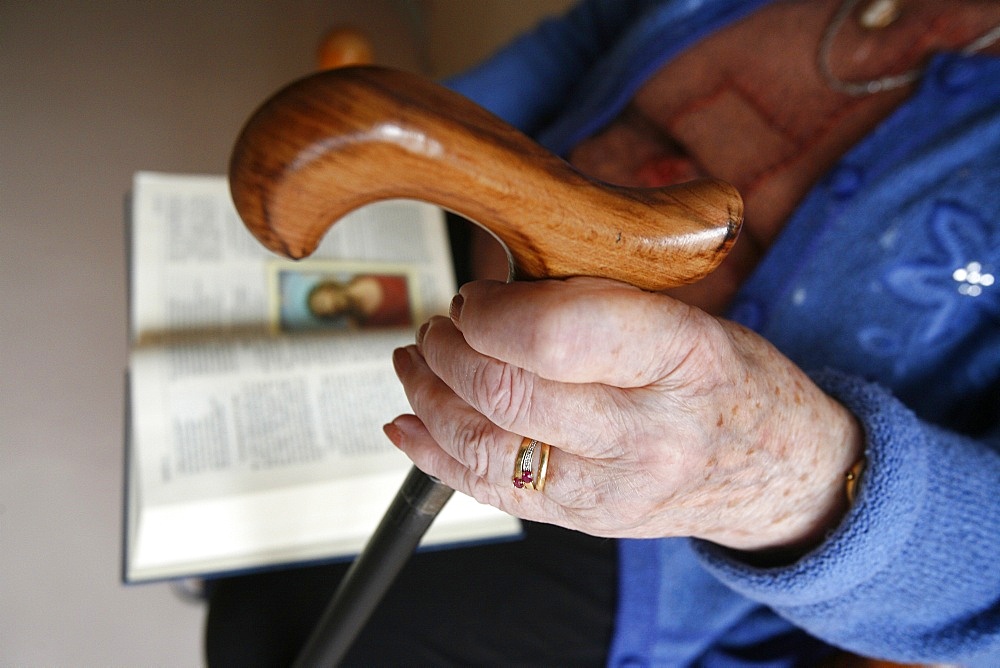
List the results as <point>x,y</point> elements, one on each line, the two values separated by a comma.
<point>825,497</point>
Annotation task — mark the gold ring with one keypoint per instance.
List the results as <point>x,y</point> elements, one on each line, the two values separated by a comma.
<point>543,467</point>
<point>526,474</point>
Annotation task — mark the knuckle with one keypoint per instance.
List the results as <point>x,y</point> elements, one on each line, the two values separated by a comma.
<point>554,344</point>
<point>471,438</point>
<point>501,391</point>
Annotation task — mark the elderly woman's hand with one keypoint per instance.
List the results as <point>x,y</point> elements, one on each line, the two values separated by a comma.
<point>663,420</point>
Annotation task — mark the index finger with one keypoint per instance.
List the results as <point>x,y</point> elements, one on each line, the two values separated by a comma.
<point>579,330</point>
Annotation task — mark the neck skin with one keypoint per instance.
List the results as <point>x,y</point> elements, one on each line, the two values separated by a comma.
<point>748,104</point>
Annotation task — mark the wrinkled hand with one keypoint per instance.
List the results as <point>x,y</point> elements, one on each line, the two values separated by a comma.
<point>663,420</point>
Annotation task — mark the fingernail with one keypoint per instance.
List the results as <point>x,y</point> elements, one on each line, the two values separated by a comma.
<point>400,360</point>
<point>394,433</point>
<point>455,310</point>
<point>422,332</point>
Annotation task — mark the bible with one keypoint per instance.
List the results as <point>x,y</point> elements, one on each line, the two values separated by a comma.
<point>257,386</point>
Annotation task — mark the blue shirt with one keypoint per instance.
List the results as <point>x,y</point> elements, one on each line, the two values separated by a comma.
<point>885,286</point>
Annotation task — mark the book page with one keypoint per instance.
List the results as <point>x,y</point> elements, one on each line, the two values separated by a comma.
<point>250,370</point>
<point>318,521</point>
<point>196,270</point>
<point>241,416</point>
<point>259,385</point>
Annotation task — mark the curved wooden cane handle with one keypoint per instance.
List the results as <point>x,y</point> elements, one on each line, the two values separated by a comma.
<point>336,140</point>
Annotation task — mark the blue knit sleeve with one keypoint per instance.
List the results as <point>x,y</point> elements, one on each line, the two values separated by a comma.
<point>529,80</point>
<point>911,573</point>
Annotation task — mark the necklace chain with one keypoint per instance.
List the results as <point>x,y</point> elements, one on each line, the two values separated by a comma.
<point>881,84</point>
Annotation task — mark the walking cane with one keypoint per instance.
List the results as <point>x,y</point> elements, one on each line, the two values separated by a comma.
<point>336,140</point>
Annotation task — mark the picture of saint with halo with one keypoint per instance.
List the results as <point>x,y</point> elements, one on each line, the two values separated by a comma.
<point>313,299</point>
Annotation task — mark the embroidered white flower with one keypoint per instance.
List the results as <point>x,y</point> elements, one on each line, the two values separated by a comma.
<point>972,279</point>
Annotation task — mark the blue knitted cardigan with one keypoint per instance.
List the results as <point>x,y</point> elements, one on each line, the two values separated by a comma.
<point>885,287</point>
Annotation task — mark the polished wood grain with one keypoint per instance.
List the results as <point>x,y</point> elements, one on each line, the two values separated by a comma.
<point>337,140</point>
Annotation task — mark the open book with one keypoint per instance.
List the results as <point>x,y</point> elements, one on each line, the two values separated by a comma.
<point>258,386</point>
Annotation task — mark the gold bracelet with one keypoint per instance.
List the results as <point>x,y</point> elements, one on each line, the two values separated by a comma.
<point>853,477</point>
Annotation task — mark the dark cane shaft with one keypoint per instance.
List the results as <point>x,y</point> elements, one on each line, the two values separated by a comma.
<point>411,513</point>
<point>334,141</point>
